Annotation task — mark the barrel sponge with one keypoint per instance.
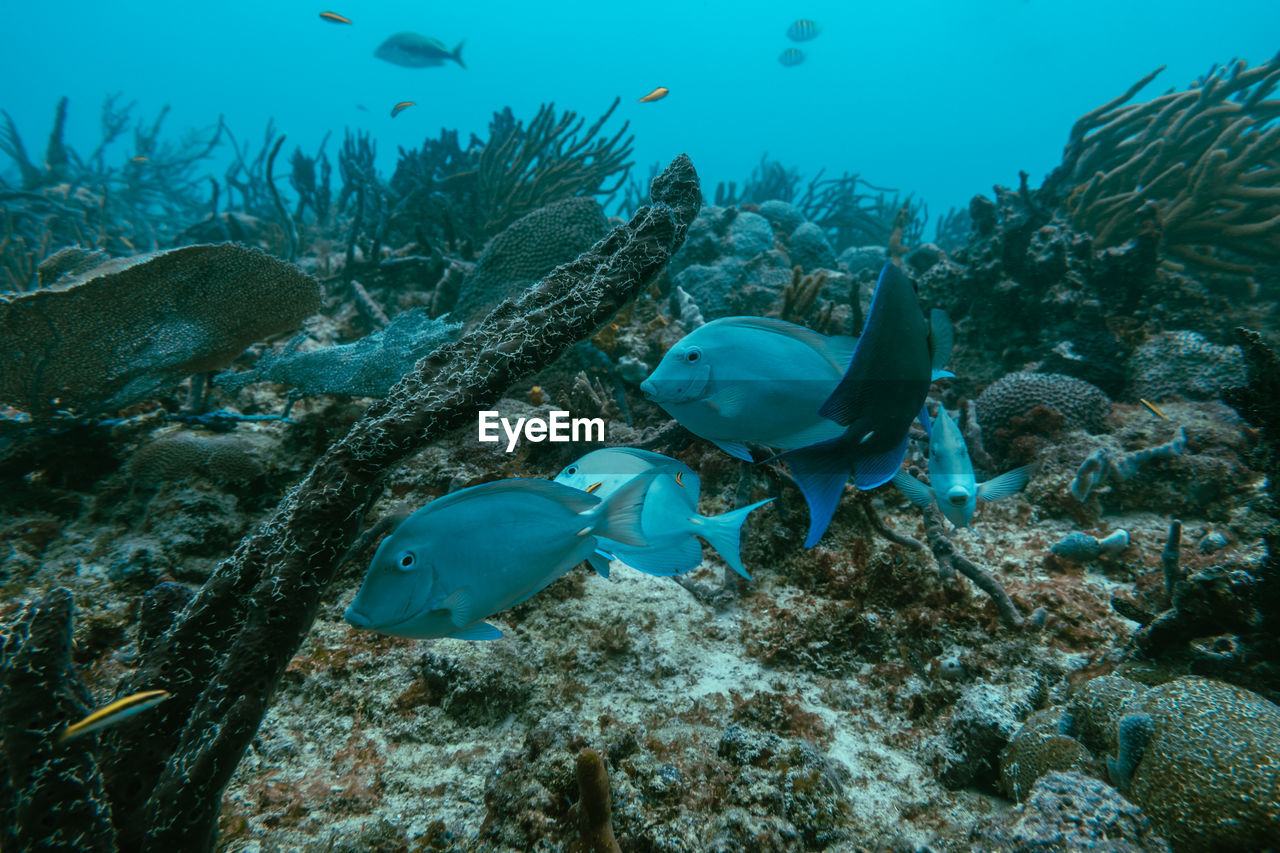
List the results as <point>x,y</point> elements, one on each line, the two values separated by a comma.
<point>528,249</point>
<point>112,335</point>
<point>1209,775</point>
<point>1082,405</point>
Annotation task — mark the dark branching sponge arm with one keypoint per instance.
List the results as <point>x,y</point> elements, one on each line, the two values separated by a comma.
<point>224,656</point>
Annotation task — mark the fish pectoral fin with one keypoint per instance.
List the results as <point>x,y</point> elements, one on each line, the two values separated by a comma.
<point>478,631</point>
<point>460,607</point>
<point>924,420</point>
<point>917,492</point>
<point>938,373</point>
<point>729,401</point>
<point>1004,485</point>
<point>599,561</point>
<point>734,448</point>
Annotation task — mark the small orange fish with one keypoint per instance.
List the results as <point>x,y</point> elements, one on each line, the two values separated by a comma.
<point>656,95</point>
<point>680,479</point>
<point>401,107</point>
<point>138,159</point>
<point>335,18</point>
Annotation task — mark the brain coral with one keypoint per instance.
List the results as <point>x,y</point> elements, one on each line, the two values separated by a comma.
<point>1082,406</point>
<point>1209,776</point>
<point>1184,364</point>
<point>114,334</point>
<point>528,249</point>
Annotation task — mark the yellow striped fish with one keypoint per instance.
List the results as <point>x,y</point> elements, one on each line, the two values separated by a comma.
<point>114,712</point>
<point>1153,409</point>
<point>401,107</point>
<point>803,30</point>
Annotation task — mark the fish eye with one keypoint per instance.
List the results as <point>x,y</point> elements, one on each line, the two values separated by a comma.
<point>406,561</point>
<point>692,354</point>
<point>572,469</point>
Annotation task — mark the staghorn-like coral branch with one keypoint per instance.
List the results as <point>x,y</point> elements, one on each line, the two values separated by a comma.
<point>1208,156</point>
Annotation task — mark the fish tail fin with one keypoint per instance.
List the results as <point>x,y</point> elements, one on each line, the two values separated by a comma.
<point>618,516</point>
<point>724,532</point>
<point>820,470</point>
<point>457,54</point>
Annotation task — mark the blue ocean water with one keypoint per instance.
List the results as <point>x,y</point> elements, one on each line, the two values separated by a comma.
<point>941,98</point>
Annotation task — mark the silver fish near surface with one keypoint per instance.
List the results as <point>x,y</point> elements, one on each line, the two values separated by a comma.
<point>411,50</point>
<point>670,521</point>
<point>791,57</point>
<point>952,483</point>
<point>803,30</point>
<point>480,550</point>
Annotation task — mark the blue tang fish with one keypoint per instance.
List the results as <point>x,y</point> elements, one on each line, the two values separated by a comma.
<point>757,380</point>
<point>882,391</point>
<point>952,483</point>
<point>670,521</point>
<point>470,554</point>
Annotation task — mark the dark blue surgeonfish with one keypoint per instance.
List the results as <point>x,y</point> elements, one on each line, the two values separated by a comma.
<point>883,390</point>
<point>791,56</point>
<point>412,50</point>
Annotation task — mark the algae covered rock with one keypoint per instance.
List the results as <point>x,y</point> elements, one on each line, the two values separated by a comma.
<point>109,336</point>
<point>1073,811</point>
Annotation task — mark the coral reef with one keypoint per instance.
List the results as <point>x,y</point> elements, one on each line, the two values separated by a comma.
<point>224,655</point>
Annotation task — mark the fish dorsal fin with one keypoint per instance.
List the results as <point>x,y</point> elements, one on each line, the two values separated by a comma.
<point>478,631</point>
<point>569,497</point>
<point>459,606</point>
<point>665,465</point>
<point>839,351</point>
<point>944,340</point>
<point>833,348</point>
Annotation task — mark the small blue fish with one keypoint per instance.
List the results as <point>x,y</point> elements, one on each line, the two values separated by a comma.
<point>480,550</point>
<point>670,521</point>
<point>952,483</point>
<point>755,380</point>
<point>881,393</point>
<point>791,57</point>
